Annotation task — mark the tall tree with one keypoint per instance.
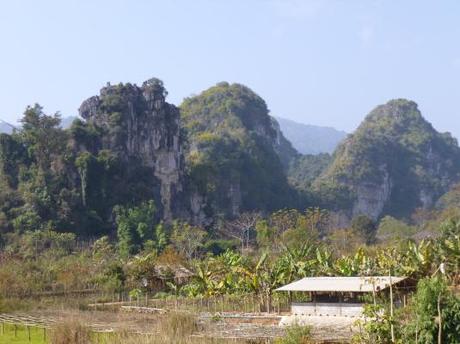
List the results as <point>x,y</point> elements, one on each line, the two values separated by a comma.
<point>134,227</point>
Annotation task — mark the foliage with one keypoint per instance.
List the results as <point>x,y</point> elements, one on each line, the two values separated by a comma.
<point>296,335</point>
<point>376,327</point>
<point>70,332</point>
<point>135,226</point>
<point>36,243</point>
<point>64,194</point>
<point>305,169</point>
<point>424,320</point>
<point>365,226</point>
<point>394,143</point>
<point>451,199</point>
<point>230,156</point>
<point>393,229</point>
<point>187,239</point>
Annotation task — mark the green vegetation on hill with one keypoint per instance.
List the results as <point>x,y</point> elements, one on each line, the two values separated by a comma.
<point>231,154</point>
<point>115,204</point>
<point>305,169</point>
<point>397,155</point>
<point>450,199</point>
<point>135,156</point>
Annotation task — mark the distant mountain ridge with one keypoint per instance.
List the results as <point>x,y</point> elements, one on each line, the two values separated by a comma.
<point>6,128</point>
<point>66,122</point>
<point>311,139</point>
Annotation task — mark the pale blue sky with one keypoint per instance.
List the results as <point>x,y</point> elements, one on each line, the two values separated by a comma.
<point>319,62</point>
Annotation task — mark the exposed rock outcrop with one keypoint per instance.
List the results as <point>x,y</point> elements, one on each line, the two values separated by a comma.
<point>137,122</point>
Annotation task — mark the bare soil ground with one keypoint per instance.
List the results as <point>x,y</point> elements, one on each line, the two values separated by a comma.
<point>242,326</point>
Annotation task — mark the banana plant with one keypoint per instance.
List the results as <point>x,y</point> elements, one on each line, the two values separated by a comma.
<point>324,263</point>
<point>418,259</point>
<point>449,249</point>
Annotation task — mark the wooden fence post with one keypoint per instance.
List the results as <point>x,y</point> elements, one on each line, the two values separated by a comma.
<point>223,303</point>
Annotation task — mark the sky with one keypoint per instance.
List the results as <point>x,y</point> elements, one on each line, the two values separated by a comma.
<point>317,62</point>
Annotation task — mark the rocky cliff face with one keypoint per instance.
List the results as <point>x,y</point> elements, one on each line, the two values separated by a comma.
<point>137,123</point>
<point>223,154</point>
<point>394,162</point>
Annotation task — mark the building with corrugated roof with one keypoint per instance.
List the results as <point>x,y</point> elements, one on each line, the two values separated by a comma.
<point>342,296</point>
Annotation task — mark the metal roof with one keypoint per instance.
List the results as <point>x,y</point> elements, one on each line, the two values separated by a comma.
<point>342,284</point>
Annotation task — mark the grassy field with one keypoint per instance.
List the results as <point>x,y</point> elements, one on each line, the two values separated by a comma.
<point>177,328</point>
<point>7,335</point>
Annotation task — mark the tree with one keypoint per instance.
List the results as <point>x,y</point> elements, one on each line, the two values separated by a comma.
<point>418,259</point>
<point>156,85</point>
<point>344,241</point>
<point>391,229</point>
<point>365,226</point>
<point>306,227</point>
<point>134,227</point>
<point>433,298</point>
<point>316,220</point>
<point>449,249</point>
<point>42,135</point>
<point>241,228</point>
<point>265,234</point>
<point>187,239</point>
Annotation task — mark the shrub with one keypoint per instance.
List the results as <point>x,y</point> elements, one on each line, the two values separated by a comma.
<point>70,332</point>
<point>296,335</point>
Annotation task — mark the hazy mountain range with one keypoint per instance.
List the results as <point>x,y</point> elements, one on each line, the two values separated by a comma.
<point>311,139</point>
<point>6,127</point>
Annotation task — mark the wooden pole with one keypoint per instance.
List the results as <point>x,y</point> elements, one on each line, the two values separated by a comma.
<point>340,303</point>
<point>391,312</point>
<point>373,292</point>
<point>440,320</point>
<point>314,300</point>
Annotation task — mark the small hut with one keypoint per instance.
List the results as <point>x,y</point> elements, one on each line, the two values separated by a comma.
<point>341,296</point>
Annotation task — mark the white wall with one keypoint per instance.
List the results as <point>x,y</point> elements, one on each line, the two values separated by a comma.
<point>327,309</point>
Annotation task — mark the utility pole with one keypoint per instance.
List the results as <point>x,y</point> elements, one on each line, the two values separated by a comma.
<point>391,311</point>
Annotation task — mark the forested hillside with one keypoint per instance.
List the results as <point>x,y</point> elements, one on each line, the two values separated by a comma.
<point>394,163</point>
<point>215,157</point>
<point>234,154</point>
<point>209,202</point>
